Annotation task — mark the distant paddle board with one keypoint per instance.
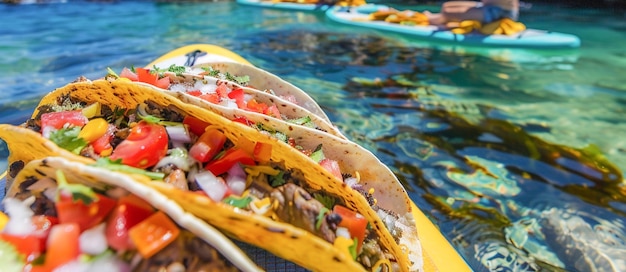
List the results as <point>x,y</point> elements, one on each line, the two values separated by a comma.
<point>284,5</point>
<point>529,38</point>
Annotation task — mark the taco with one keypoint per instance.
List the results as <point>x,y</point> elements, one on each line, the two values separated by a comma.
<point>274,190</point>
<point>271,101</point>
<point>65,216</point>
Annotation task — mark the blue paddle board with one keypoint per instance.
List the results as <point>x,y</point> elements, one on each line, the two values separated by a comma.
<point>284,5</point>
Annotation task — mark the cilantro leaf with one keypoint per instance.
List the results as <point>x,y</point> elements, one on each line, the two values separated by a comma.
<point>318,154</point>
<point>118,166</point>
<point>78,191</point>
<point>178,70</point>
<point>353,247</point>
<point>277,180</point>
<point>237,201</point>
<point>320,217</point>
<point>112,73</point>
<point>67,138</point>
<point>327,201</point>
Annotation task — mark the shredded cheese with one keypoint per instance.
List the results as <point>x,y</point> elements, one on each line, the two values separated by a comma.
<point>343,244</point>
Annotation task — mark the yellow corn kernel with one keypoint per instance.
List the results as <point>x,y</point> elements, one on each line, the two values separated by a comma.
<point>123,79</point>
<point>107,152</point>
<point>91,110</point>
<point>262,203</point>
<point>4,219</point>
<point>93,130</point>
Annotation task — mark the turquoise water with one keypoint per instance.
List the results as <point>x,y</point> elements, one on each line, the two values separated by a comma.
<point>517,155</point>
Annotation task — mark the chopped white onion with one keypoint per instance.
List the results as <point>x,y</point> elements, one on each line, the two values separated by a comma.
<point>204,87</point>
<point>178,157</point>
<point>104,263</point>
<point>213,186</point>
<point>342,232</point>
<point>351,181</point>
<point>386,218</point>
<point>178,134</point>
<point>247,97</point>
<point>236,179</point>
<point>178,88</point>
<point>229,103</point>
<point>20,216</point>
<point>46,131</point>
<point>93,241</point>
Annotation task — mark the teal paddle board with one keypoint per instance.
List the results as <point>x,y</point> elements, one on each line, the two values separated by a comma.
<point>529,38</point>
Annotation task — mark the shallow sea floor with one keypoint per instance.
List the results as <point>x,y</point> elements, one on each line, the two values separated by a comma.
<point>517,155</point>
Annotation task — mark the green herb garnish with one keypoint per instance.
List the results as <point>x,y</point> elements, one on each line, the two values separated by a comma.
<point>277,180</point>
<point>67,138</point>
<point>239,202</point>
<point>303,121</point>
<point>78,191</point>
<point>327,201</point>
<point>118,166</point>
<point>353,247</point>
<point>318,154</point>
<point>320,217</point>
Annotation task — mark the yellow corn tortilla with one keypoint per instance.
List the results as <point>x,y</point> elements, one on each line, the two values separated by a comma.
<point>128,95</point>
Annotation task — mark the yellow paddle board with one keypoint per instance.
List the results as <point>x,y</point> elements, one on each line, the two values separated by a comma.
<point>439,255</point>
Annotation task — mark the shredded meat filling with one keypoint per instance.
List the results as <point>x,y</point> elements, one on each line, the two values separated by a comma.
<point>299,208</point>
<point>188,252</point>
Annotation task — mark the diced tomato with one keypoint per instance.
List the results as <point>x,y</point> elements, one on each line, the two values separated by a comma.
<point>208,145</point>
<point>127,73</point>
<point>144,75</point>
<point>195,125</point>
<point>255,106</point>
<point>272,111</point>
<point>232,156</point>
<point>85,216</point>
<point>29,245</point>
<point>153,234</point>
<point>44,223</point>
<point>238,95</point>
<point>222,90</point>
<point>103,144</point>
<point>354,222</point>
<point>243,120</point>
<point>63,245</point>
<point>144,147</point>
<point>194,92</point>
<point>332,166</point>
<point>125,216</point>
<point>211,97</point>
<point>163,83</point>
<point>58,120</point>
<point>134,200</point>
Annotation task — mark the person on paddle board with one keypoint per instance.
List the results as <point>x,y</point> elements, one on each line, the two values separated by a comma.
<point>485,11</point>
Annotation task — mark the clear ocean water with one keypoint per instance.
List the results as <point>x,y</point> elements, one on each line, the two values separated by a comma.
<point>516,155</point>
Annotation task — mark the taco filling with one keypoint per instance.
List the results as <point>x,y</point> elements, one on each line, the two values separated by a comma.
<point>192,155</point>
<point>212,86</point>
<point>57,226</point>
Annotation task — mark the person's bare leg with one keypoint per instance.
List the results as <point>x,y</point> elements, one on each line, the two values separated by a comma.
<point>456,11</point>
